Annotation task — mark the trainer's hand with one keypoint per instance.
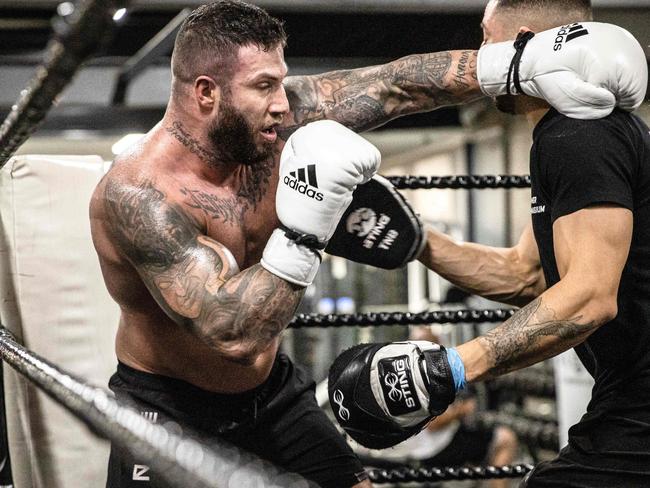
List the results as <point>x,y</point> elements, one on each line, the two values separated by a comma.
<point>382,394</point>
<point>321,165</point>
<point>583,70</point>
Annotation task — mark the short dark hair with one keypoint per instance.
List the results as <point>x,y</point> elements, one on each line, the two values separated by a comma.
<point>547,13</point>
<point>566,4</point>
<point>210,36</point>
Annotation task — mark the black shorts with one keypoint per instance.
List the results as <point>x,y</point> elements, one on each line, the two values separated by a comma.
<point>278,421</point>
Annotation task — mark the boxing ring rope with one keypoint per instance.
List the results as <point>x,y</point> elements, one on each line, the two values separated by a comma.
<point>180,460</point>
<point>460,182</point>
<point>540,433</point>
<point>74,40</point>
<point>527,382</point>
<point>402,318</point>
<point>422,475</point>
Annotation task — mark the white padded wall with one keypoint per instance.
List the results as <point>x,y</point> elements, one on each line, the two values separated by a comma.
<point>53,299</point>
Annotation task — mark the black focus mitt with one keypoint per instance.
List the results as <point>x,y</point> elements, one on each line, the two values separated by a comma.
<point>378,228</point>
<point>382,394</point>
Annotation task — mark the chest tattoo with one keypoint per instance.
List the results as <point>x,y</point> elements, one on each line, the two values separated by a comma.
<point>228,210</point>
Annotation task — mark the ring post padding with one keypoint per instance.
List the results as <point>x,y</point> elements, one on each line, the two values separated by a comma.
<point>573,384</point>
<point>54,301</point>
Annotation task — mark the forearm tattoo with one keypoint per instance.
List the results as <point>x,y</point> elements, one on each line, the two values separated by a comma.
<point>368,97</point>
<point>524,338</point>
<point>464,65</point>
<point>189,276</point>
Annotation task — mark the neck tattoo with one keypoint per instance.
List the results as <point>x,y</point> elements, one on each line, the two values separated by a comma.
<point>185,138</point>
<point>250,193</point>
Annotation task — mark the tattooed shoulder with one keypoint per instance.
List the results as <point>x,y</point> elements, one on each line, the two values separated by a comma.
<point>151,230</point>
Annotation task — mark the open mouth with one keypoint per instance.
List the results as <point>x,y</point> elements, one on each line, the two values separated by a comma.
<point>269,133</point>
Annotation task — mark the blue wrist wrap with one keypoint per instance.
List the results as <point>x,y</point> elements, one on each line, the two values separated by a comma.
<point>457,368</point>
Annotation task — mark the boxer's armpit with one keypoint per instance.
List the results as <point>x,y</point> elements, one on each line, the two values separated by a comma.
<point>194,278</point>
<point>368,97</point>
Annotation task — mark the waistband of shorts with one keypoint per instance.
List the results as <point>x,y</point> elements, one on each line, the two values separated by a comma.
<point>157,382</point>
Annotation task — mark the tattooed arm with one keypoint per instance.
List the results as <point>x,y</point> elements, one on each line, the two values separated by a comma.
<point>591,248</point>
<point>195,279</point>
<point>369,97</point>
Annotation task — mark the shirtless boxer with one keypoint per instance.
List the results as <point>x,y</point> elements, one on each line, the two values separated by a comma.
<point>581,268</point>
<point>207,247</point>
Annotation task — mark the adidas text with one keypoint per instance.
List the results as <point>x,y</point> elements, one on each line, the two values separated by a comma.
<point>568,33</point>
<point>303,188</point>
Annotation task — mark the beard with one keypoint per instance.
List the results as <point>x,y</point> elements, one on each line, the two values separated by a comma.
<point>234,138</point>
<point>506,104</point>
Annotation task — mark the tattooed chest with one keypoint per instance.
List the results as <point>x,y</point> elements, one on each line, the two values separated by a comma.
<point>233,221</point>
<point>228,210</point>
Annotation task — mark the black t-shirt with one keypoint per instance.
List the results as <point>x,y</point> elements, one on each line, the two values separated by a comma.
<point>575,164</point>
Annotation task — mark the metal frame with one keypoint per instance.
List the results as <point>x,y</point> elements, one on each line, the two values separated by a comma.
<point>160,45</point>
<point>335,5</point>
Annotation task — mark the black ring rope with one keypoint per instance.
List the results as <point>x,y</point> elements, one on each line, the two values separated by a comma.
<point>408,474</point>
<point>402,318</point>
<point>528,382</point>
<point>541,434</point>
<point>465,182</point>
<point>179,460</point>
<point>74,40</point>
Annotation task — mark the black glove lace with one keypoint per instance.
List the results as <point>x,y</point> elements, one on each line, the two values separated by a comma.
<point>513,71</point>
<point>307,240</point>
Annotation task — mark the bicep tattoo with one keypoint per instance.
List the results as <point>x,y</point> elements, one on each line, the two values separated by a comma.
<point>164,245</point>
<point>194,278</point>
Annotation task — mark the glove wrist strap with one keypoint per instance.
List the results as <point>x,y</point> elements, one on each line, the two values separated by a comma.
<point>290,261</point>
<point>513,70</point>
<point>307,240</point>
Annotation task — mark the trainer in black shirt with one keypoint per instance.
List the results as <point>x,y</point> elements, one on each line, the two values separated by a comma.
<point>581,269</point>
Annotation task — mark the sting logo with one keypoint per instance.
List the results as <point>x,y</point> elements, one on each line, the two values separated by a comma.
<point>397,385</point>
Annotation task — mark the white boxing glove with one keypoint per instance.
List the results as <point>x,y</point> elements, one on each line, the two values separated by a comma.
<point>320,166</point>
<point>582,69</point>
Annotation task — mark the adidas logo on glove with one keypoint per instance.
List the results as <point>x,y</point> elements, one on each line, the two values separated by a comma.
<point>304,183</point>
<point>568,33</point>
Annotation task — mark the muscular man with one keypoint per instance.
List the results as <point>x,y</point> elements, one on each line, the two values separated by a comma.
<point>210,228</point>
<point>581,270</point>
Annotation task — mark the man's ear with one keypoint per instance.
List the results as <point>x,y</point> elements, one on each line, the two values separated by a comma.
<point>524,28</point>
<point>207,93</point>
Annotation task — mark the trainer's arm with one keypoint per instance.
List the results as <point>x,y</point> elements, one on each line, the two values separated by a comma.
<point>591,248</point>
<point>510,275</point>
<point>239,314</point>
<point>365,98</point>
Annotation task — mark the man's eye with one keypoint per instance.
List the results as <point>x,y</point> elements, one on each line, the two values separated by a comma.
<point>264,86</point>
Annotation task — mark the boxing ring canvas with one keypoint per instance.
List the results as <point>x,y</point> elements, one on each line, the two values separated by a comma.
<point>54,301</point>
